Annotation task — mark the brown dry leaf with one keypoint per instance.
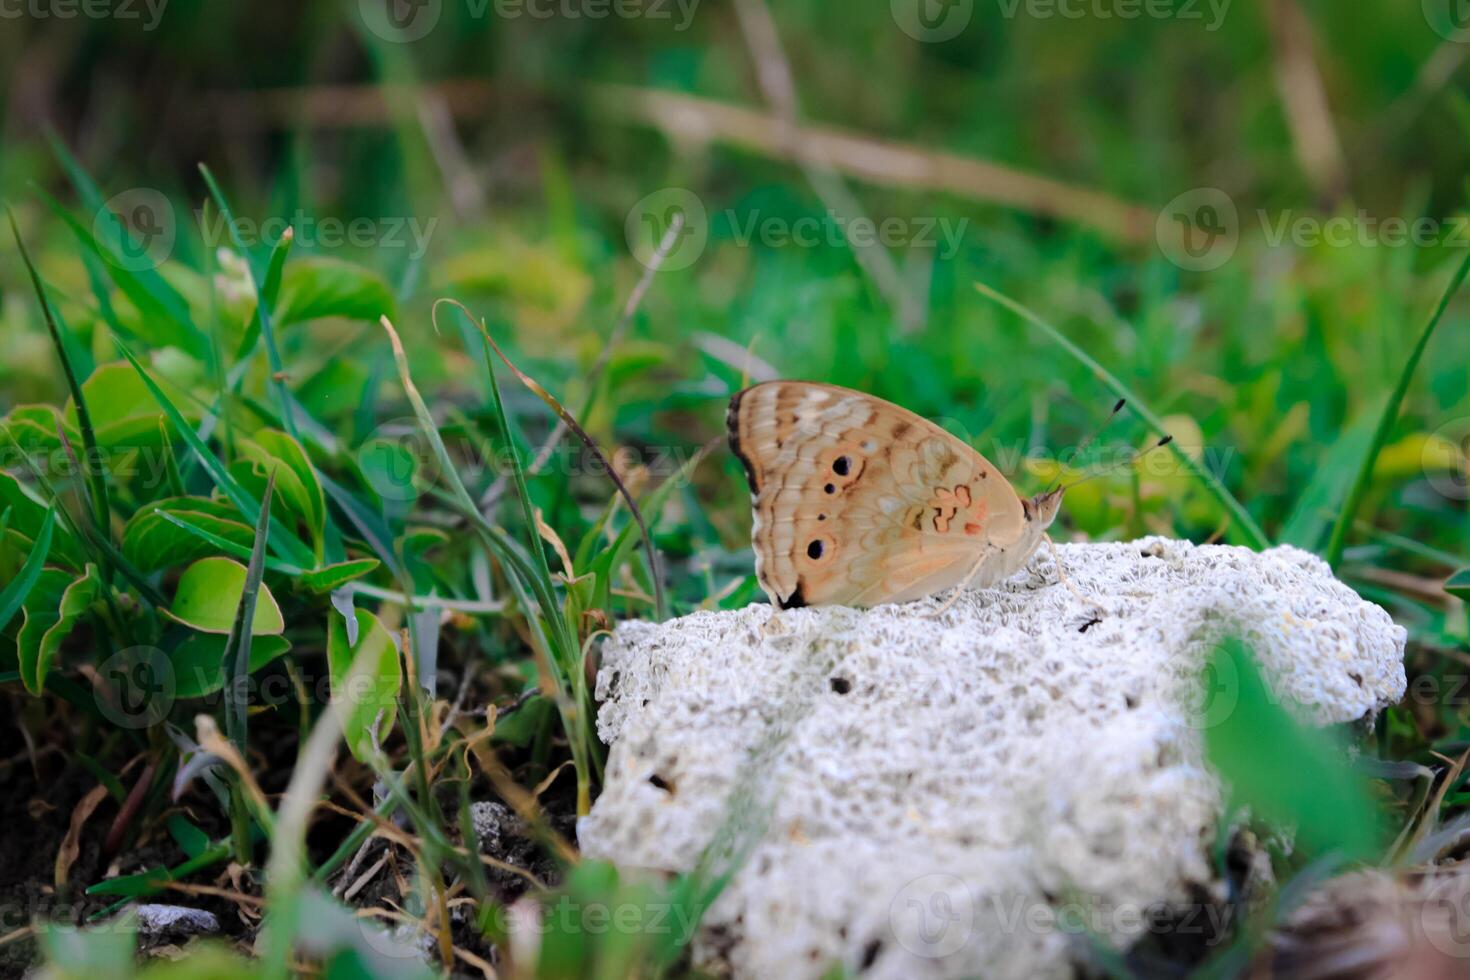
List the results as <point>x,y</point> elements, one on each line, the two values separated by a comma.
<point>71,845</point>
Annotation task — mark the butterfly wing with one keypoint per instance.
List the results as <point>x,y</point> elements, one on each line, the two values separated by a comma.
<point>858,501</point>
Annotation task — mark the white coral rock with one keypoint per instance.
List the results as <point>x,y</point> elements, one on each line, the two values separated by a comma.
<point>965,794</point>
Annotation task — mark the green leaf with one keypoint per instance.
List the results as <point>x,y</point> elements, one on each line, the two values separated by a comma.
<point>152,541</point>
<point>28,514</point>
<point>55,604</point>
<point>1459,584</point>
<point>209,594</point>
<point>1283,770</point>
<point>365,679</point>
<point>283,541</point>
<point>191,840</point>
<point>333,577</point>
<point>317,288</point>
<point>199,661</point>
<point>20,587</point>
<point>296,480</point>
<point>104,951</point>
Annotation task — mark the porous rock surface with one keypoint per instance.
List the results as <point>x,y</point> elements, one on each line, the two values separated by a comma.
<point>965,794</point>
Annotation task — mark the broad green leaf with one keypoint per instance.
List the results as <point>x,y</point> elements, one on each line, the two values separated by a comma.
<point>282,540</point>
<point>115,393</point>
<point>28,514</point>
<point>187,835</point>
<point>56,602</point>
<point>199,666</point>
<point>296,480</point>
<point>151,541</point>
<point>209,593</point>
<point>1459,584</point>
<point>316,288</point>
<point>104,951</point>
<point>19,587</point>
<point>1283,770</point>
<point>33,427</point>
<point>333,577</point>
<point>365,679</point>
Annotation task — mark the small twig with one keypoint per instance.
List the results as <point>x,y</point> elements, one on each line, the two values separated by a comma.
<point>692,119</point>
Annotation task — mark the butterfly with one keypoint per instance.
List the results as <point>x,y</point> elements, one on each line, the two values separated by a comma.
<point>859,502</point>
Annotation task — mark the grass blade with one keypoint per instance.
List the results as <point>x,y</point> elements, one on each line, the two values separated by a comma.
<point>660,604</point>
<point>1242,517</point>
<point>102,509</point>
<point>1386,420</point>
<point>237,669</point>
<point>15,593</point>
<point>263,301</point>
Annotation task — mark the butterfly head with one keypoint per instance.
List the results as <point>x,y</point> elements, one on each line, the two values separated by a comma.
<point>1042,508</point>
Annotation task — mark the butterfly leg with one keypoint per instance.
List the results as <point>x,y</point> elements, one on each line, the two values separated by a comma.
<point>1062,576</point>
<point>964,584</point>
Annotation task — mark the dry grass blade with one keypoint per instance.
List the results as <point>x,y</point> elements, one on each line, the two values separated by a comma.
<point>690,119</point>
<point>71,845</point>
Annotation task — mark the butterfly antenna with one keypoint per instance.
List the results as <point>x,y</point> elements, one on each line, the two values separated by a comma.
<point>1134,458</point>
<point>1093,437</point>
